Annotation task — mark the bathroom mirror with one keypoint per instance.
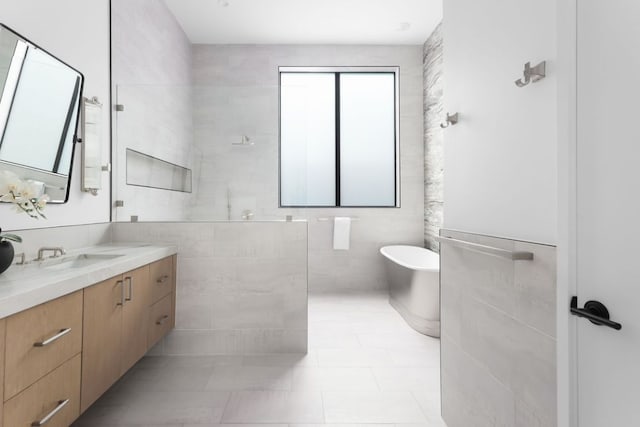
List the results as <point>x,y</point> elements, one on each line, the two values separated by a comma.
<point>39,110</point>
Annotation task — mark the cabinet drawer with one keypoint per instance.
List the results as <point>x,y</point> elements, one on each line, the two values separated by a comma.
<point>160,319</point>
<point>46,398</point>
<point>39,340</point>
<point>161,278</point>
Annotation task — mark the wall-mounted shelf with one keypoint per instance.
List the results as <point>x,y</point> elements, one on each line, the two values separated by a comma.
<point>144,170</point>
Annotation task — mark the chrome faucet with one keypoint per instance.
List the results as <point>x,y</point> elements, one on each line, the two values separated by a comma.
<point>56,253</point>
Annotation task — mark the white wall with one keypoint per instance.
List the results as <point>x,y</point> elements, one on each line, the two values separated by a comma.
<point>501,158</point>
<point>236,93</point>
<point>77,32</point>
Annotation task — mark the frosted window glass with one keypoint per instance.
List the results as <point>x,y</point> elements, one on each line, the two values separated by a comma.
<point>307,139</point>
<point>367,139</point>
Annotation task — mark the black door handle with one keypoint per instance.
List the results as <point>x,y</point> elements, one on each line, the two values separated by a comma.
<point>595,311</point>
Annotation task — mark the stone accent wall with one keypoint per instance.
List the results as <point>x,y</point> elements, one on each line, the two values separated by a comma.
<point>433,138</point>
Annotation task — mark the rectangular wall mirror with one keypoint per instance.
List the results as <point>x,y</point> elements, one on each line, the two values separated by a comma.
<point>39,110</point>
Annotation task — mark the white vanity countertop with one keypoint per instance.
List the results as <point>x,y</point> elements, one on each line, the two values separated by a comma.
<point>23,287</point>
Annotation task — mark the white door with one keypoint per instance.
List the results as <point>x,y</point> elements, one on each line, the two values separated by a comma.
<point>608,208</point>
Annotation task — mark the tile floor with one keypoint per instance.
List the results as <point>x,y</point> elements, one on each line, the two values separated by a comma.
<point>365,367</point>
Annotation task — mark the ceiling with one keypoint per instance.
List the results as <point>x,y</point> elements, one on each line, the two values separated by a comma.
<point>307,21</point>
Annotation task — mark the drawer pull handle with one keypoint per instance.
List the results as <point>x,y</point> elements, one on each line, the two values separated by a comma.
<point>162,319</point>
<point>122,297</point>
<point>129,282</point>
<point>163,279</point>
<point>47,418</point>
<point>56,337</point>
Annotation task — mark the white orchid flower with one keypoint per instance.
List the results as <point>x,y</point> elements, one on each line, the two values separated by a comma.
<point>9,182</point>
<point>42,201</point>
<point>23,194</point>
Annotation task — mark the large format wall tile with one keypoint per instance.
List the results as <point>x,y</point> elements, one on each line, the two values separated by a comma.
<point>68,237</point>
<point>242,286</point>
<point>157,96</point>
<point>498,337</point>
<point>236,93</point>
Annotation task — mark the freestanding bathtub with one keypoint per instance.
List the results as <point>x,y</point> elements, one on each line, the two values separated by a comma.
<point>413,275</point>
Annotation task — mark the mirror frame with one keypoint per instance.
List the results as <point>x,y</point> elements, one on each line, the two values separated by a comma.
<point>76,137</point>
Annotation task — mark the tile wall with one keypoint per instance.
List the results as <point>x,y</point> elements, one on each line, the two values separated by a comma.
<point>498,335</point>
<point>69,237</point>
<point>236,93</point>
<point>242,286</point>
<point>152,76</point>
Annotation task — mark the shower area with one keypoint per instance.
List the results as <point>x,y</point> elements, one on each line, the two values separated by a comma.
<point>196,163</point>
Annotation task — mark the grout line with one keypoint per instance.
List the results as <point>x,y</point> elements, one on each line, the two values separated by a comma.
<point>226,405</point>
<point>324,413</point>
<point>424,413</point>
<point>375,378</point>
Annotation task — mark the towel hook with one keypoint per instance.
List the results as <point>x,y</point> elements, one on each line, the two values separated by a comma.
<point>451,120</point>
<point>532,74</point>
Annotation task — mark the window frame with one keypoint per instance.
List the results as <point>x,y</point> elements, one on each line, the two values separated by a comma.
<point>337,71</point>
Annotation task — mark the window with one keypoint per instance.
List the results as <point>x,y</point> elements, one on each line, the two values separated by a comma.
<point>339,137</point>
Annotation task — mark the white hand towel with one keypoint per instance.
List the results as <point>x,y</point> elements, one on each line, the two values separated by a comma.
<point>341,233</point>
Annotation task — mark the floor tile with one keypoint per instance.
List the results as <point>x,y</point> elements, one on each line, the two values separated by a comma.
<point>274,407</point>
<point>368,369</point>
<point>429,359</point>
<point>290,360</point>
<point>416,379</point>
<point>250,378</point>
<point>333,379</point>
<point>235,425</point>
<point>342,425</point>
<point>409,340</point>
<point>100,415</point>
<point>371,407</point>
<point>172,378</point>
<point>321,339</point>
<point>80,424</point>
<point>358,357</point>
<point>176,407</point>
<point>430,405</point>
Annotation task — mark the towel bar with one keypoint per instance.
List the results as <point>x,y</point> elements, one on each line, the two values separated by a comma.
<point>488,250</point>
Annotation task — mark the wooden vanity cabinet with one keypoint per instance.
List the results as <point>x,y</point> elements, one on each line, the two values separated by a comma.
<point>40,339</point>
<point>58,358</point>
<point>102,338</point>
<point>54,400</point>
<point>162,275</point>
<point>118,326</point>
<point>161,320</point>
<point>134,317</point>
<point>42,363</point>
<point>162,313</point>
<point>115,331</point>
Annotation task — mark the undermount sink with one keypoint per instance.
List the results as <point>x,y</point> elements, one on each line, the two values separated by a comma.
<point>82,260</point>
